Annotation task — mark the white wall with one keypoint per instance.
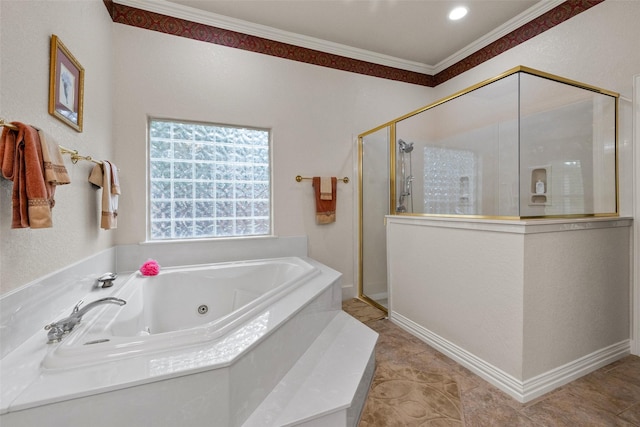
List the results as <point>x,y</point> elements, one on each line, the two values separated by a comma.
<point>576,295</point>
<point>464,285</point>
<point>25,30</point>
<point>315,115</point>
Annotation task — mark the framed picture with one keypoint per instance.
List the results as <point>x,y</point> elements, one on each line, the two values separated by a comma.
<point>66,85</point>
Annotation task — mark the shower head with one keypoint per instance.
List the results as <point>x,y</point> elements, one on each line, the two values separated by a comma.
<point>405,147</point>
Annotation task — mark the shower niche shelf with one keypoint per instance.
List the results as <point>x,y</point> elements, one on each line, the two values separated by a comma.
<point>540,191</point>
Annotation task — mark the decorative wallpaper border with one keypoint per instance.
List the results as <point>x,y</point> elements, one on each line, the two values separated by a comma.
<point>180,27</point>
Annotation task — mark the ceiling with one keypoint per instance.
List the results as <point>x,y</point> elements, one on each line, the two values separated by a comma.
<point>409,34</point>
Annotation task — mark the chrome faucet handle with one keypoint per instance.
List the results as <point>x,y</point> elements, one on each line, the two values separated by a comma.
<point>106,280</point>
<point>58,330</point>
<point>56,333</point>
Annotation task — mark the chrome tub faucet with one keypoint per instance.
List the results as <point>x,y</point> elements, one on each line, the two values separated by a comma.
<point>58,330</point>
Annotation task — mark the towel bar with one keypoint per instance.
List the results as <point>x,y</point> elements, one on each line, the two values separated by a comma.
<point>74,153</point>
<point>7,125</point>
<point>75,156</point>
<point>299,178</point>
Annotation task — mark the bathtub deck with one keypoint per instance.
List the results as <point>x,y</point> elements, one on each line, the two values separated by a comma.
<point>329,383</point>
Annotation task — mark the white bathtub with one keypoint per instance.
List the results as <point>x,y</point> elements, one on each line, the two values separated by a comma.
<point>214,368</point>
<point>181,307</point>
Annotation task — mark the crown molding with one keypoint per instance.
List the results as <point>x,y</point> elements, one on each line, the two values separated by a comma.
<point>175,10</point>
<point>232,24</point>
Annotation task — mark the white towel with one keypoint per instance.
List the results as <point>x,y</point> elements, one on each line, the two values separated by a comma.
<point>326,191</point>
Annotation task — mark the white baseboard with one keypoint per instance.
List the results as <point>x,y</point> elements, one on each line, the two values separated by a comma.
<point>348,292</point>
<point>522,391</point>
<point>544,383</point>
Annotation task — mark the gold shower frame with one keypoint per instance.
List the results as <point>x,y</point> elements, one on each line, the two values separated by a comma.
<point>391,125</point>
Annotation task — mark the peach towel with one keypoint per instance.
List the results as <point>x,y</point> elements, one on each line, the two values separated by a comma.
<point>55,173</point>
<point>325,209</point>
<point>22,161</point>
<point>326,190</point>
<point>106,177</point>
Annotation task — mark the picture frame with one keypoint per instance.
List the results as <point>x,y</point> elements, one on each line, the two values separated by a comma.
<point>66,85</point>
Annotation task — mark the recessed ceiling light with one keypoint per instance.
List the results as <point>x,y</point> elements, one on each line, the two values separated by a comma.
<point>458,13</point>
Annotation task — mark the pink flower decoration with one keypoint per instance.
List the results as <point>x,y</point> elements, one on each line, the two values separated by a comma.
<point>150,268</point>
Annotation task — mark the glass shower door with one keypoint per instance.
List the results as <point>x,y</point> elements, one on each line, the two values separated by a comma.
<point>374,177</point>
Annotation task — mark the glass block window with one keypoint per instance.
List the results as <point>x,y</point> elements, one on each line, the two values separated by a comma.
<point>208,180</point>
<point>449,181</point>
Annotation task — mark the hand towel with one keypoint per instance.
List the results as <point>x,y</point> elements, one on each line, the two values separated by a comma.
<point>326,191</point>
<point>325,209</point>
<point>22,162</point>
<point>101,177</point>
<point>115,181</point>
<point>55,172</point>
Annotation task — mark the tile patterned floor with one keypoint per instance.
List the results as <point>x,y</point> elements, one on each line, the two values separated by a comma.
<point>415,385</point>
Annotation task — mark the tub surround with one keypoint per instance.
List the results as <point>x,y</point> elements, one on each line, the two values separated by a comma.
<point>527,305</point>
<point>48,386</point>
<point>319,391</point>
<point>302,339</point>
<point>174,253</point>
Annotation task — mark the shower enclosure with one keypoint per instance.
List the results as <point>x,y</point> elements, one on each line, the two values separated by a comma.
<point>526,144</point>
<point>523,145</point>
